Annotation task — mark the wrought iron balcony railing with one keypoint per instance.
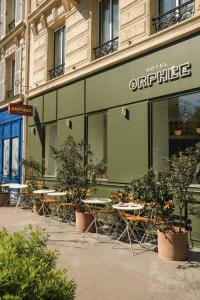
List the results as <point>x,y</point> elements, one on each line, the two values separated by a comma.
<point>106,48</point>
<point>57,71</point>
<point>11,25</point>
<point>10,94</point>
<point>175,15</point>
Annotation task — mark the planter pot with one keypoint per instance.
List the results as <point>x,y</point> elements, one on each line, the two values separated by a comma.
<point>4,199</point>
<point>83,221</point>
<point>172,245</point>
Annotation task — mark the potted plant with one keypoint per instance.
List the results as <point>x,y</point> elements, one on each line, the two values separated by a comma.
<point>168,194</point>
<point>76,173</point>
<point>173,240</point>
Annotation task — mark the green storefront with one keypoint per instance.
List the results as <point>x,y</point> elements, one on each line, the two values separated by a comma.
<point>134,115</point>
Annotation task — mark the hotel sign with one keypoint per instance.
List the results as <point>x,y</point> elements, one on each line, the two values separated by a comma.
<point>161,76</point>
<point>20,109</point>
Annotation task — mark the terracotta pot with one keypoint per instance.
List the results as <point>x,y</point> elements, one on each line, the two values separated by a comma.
<point>83,221</point>
<point>4,199</point>
<point>172,245</point>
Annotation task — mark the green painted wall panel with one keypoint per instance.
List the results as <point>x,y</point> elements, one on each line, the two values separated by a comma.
<point>50,107</point>
<point>127,143</point>
<point>71,100</point>
<point>34,144</point>
<point>111,88</point>
<point>38,104</point>
<point>77,130</point>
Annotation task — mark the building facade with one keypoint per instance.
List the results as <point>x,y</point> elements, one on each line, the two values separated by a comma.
<point>123,75</point>
<point>12,82</point>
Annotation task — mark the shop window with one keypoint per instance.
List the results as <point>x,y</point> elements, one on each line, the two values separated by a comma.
<point>50,141</point>
<point>171,12</point>
<point>176,126</point>
<point>58,53</point>
<point>97,139</point>
<point>108,27</point>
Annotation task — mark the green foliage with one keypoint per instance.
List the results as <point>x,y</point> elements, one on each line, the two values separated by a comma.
<point>169,191</point>
<point>76,171</point>
<point>32,167</point>
<point>27,268</point>
<point>183,170</point>
<point>154,190</point>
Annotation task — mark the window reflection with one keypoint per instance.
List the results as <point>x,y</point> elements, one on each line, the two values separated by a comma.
<point>176,126</point>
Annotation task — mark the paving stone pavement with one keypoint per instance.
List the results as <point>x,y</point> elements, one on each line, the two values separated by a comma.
<point>103,273</point>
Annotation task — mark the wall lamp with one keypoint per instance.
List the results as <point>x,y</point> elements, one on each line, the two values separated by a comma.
<point>69,123</point>
<point>33,130</point>
<point>125,112</point>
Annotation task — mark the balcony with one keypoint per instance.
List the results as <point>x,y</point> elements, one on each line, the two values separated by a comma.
<point>57,71</point>
<point>106,48</point>
<point>10,94</point>
<point>176,15</point>
<point>11,25</point>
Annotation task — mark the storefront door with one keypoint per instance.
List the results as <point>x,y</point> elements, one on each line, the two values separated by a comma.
<point>10,151</point>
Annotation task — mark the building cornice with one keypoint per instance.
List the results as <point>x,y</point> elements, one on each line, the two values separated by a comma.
<point>12,34</point>
<point>152,42</point>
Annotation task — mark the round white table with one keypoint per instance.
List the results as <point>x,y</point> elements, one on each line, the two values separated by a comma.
<point>130,228</point>
<point>15,186</point>
<point>91,205</point>
<point>58,211</point>
<point>42,193</point>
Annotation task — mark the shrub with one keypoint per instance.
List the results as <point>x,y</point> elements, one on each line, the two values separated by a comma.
<point>27,268</point>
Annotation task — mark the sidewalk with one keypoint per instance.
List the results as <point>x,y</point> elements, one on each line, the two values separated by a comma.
<point>103,273</point>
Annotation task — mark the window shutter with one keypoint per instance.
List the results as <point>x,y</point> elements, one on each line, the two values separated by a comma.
<point>18,11</point>
<point>3,19</point>
<point>18,64</point>
<point>2,81</point>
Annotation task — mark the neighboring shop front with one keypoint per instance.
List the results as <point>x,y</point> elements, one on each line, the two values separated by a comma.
<point>10,147</point>
<point>134,115</point>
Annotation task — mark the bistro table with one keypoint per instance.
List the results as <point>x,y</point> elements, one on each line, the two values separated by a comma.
<point>91,204</point>
<point>42,193</point>
<point>130,228</point>
<point>56,212</point>
<point>15,186</point>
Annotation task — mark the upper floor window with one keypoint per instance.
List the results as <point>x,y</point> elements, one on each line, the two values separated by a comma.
<point>58,53</point>
<point>171,12</point>
<point>108,27</point>
<point>10,66</point>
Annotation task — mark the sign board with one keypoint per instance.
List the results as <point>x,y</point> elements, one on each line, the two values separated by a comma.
<point>20,109</point>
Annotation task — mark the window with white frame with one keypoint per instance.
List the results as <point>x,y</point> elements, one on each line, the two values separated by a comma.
<point>50,141</point>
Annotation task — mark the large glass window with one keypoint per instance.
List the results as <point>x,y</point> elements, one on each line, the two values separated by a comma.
<point>97,138</point>
<point>50,141</point>
<point>176,126</point>
<point>108,20</point>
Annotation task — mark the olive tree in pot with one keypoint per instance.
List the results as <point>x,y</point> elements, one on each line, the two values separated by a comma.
<point>173,240</point>
<point>76,174</point>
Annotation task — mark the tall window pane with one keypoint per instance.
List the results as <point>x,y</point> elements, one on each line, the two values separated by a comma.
<point>15,157</point>
<point>50,141</point>
<point>104,21</point>
<point>97,137</point>
<point>59,47</point>
<point>6,157</point>
<point>176,126</point>
<point>115,6</point>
